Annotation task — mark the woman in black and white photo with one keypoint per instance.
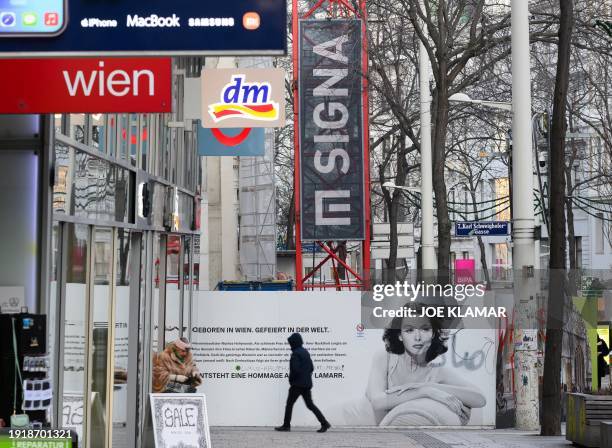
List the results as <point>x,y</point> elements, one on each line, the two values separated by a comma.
<point>408,387</point>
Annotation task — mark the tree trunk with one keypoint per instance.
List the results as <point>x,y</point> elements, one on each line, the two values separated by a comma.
<point>440,113</point>
<point>574,274</point>
<point>291,223</point>
<point>551,411</point>
<point>393,241</point>
<point>481,246</point>
<point>571,235</point>
<point>393,203</point>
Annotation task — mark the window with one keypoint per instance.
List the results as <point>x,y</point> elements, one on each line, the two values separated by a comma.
<point>101,314</point>
<point>482,198</point>
<point>98,132</point>
<point>123,137</point>
<point>173,288</point>
<point>122,320</point>
<point>59,120</point>
<point>77,127</point>
<point>502,194</point>
<point>599,234</point>
<point>578,252</point>
<point>134,139</point>
<point>111,135</point>
<point>63,184</point>
<point>502,265</point>
<point>73,345</point>
<point>144,141</point>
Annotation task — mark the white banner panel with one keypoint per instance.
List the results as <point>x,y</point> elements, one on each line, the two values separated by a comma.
<point>240,345</point>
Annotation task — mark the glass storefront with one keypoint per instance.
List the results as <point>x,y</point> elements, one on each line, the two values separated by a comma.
<point>173,287</point>
<point>120,266</point>
<point>124,258</point>
<point>73,296</point>
<point>100,297</point>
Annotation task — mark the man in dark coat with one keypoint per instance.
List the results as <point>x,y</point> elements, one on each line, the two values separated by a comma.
<point>603,369</point>
<point>300,381</point>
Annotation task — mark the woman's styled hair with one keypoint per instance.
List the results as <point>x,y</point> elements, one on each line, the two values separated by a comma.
<point>392,334</point>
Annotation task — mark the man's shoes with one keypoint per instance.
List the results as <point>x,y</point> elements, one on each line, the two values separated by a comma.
<point>283,428</point>
<point>324,427</point>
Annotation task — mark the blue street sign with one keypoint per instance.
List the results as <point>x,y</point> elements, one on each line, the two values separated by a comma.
<point>229,142</point>
<point>132,27</point>
<point>483,228</point>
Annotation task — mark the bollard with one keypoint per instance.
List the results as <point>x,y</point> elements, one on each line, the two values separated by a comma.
<point>605,434</point>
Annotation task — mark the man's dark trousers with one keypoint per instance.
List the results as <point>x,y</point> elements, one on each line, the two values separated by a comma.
<point>294,394</point>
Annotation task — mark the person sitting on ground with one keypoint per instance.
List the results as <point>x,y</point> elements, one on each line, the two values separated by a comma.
<point>174,369</point>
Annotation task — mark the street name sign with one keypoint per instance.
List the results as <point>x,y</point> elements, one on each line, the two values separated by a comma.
<point>484,228</point>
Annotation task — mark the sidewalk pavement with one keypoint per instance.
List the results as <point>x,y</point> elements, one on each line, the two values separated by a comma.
<point>235,437</point>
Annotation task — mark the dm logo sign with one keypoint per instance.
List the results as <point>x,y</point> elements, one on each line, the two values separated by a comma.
<point>243,98</point>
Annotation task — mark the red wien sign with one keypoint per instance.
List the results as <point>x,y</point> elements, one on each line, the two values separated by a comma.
<point>85,85</point>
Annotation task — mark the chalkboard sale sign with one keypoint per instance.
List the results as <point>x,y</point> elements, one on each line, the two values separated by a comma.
<point>180,420</point>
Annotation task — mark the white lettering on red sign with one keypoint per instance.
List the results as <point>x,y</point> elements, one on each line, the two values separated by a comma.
<point>117,82</point>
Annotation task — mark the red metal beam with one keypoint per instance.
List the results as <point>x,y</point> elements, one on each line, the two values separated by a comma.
<point>335,270</point>
<point>299,284</point>
<point>366,260</point>
<point>311,11</point>
<point>347,6</point>
<point>347,267</point>
<point>317,267</point>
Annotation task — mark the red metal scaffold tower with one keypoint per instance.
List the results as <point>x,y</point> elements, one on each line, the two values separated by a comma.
<point>360,277</point>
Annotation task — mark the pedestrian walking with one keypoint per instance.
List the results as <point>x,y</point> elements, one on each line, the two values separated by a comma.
<point>603,369</point>
<point>300,382</point>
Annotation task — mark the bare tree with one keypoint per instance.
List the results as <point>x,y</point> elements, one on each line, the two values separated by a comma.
<point>551,415</point>
<point>474,159</point>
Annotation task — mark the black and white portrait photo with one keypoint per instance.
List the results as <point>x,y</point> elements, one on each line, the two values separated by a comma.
<point>411,382</point>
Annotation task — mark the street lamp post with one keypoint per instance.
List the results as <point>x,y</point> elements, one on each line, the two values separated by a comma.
<point>428,252</point>
<point>391,186</point>
<point>523,224</point>
<point>463,98</point>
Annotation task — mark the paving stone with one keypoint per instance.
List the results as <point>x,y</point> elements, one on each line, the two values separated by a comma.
<point>377,437</point>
